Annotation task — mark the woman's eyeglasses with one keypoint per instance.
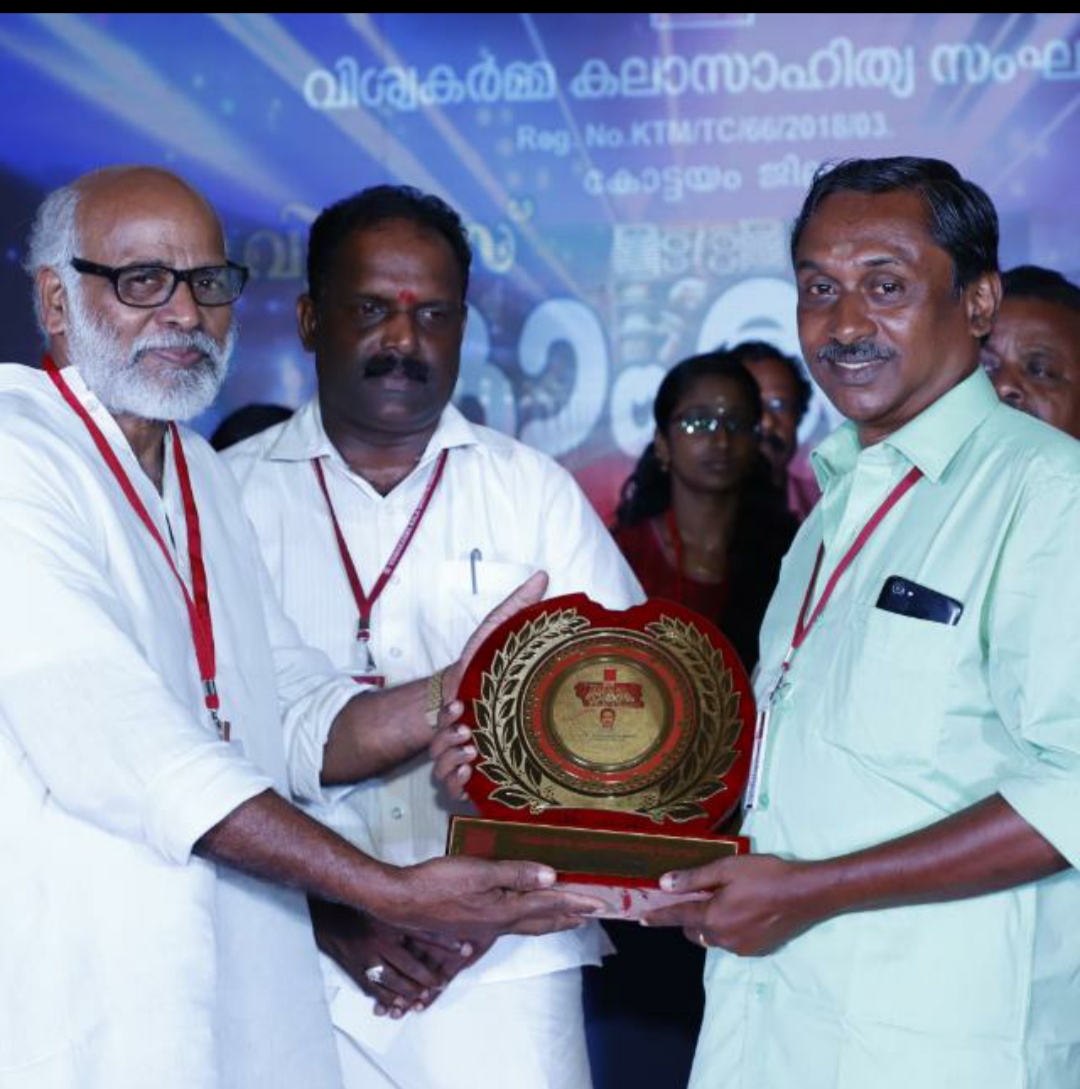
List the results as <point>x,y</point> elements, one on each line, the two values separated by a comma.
<point>700,423</point>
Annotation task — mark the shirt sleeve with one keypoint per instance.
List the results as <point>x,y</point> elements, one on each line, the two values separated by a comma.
<point>1034,641</point>
<point>82,706</point>
<point>311,692</point>
<point>577,550</point>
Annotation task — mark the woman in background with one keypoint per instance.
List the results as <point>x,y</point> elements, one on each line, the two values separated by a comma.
<point>699,520</point>
<point>701,523</point>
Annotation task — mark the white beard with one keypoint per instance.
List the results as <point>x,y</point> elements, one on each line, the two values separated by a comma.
<point>161,392</point>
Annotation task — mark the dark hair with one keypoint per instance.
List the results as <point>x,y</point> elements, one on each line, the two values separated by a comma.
<point>247,421</point>
<point>647,491</point>
<point>1035,282</point>
<point>749,352</point>
<point>377,205</point>
<point>961,217</point>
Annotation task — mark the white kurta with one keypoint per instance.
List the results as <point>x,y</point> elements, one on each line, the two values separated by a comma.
<point>125,960</point>
<point>501,511</point>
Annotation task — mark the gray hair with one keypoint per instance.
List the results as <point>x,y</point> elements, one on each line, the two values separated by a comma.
<point>53,240</point>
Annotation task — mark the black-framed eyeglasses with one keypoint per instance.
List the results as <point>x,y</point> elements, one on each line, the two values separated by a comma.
<point>701,423</point>
<point>147,286</point>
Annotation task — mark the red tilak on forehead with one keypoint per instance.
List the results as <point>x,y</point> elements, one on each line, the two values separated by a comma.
<point>406,297</point>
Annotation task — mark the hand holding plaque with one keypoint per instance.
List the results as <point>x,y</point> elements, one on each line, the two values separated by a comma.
<point>610,744</point>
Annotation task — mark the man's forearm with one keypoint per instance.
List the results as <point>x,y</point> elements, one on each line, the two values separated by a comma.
<point>760,902</point>
<point>270,839</point>
<point>377,730</point>
<point>980,850</point>
<point>273,840</point>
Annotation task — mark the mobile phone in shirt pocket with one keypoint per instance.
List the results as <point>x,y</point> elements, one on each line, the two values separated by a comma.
<point>901,595</point>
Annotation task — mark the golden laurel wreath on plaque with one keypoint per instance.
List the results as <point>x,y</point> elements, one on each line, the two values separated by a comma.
<point>641,722</point>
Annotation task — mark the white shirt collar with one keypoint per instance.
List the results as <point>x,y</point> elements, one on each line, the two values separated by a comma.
<point>303,437</point>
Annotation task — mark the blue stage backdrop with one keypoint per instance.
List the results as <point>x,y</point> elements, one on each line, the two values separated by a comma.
<point>628,180</point>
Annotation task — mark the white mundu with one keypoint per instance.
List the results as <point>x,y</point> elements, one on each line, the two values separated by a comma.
<point>501,511</point>
<point>128,962</point>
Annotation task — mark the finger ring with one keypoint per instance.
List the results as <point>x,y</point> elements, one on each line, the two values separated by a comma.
<point>375,973</point>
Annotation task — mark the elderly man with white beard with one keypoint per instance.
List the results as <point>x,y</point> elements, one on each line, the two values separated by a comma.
<point>155,704</point>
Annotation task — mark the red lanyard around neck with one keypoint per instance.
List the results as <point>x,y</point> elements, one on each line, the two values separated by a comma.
<point>366,602</point>
<point>197,599</point>
<point>805,622</point>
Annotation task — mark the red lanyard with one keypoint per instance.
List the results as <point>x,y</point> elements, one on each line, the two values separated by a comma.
<point>804,623</point>
<point>198,606</point>
<point>366,602</point>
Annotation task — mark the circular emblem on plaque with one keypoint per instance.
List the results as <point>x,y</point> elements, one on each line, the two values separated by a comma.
<point>606,715</point>
<point>641,717</point>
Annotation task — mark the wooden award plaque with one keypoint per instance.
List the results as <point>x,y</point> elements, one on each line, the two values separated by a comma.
<point>610,745</point>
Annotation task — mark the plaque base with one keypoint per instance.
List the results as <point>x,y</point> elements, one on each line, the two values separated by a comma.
<point>619,868</point>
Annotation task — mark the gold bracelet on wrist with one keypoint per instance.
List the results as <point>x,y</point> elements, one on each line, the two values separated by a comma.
<point>435,699</point>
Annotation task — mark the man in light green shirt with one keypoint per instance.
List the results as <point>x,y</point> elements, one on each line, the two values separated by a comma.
<point>911,915</point>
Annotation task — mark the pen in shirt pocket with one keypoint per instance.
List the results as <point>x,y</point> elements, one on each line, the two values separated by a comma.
<point>475,556</point>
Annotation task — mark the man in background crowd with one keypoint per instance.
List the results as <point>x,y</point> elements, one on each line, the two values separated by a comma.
<point>785,398</point>
<point>1033,354</point>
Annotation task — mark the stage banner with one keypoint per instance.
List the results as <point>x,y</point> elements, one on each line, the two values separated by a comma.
<point>628,180</point>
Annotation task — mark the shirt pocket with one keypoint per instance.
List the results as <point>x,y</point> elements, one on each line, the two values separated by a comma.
<point>889,688</point>
<point>474,589</point>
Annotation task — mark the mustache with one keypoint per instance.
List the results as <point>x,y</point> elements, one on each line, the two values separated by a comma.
<point>196,340</point>
<point>416,370</point>
<point>773,441</point>
<point>862,351</point>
